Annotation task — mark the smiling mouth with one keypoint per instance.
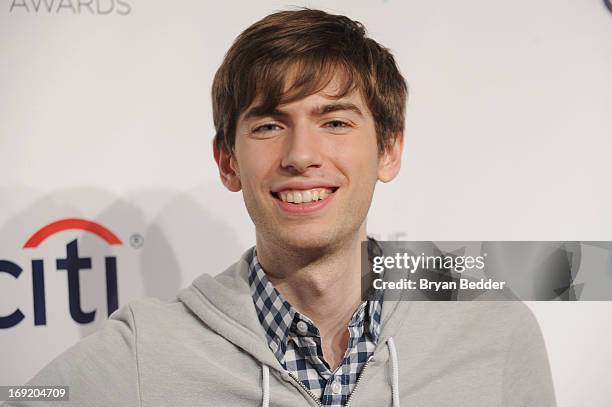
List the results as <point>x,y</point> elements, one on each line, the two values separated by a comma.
<point>298,197</point>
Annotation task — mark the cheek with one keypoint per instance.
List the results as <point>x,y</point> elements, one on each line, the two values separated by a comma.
<point>249,174</point>
<point>255,170</point>
<point>359,162</point>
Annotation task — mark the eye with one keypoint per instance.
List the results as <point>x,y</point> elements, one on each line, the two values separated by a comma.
<point>337,124</point>
<point>266,128</point>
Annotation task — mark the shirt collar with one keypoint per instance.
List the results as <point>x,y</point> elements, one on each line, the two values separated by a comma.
<point>278,318</point>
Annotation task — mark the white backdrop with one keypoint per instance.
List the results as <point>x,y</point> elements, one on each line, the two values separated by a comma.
<point>105,115</point>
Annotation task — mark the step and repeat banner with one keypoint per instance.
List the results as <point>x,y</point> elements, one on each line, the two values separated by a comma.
<point>109,190</point>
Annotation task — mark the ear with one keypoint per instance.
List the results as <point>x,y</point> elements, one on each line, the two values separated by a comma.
<point>228,168</point>
<point>390,162</point>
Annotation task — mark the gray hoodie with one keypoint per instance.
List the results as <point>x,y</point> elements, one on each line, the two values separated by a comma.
<point>208,348</point>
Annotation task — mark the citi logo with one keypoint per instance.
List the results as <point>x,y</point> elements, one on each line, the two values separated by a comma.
<point>98,7</point>
<point>71,264</point>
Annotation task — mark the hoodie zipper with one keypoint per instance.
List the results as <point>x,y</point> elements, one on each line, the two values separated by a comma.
<point>306,389</point>
<point>363,369</point>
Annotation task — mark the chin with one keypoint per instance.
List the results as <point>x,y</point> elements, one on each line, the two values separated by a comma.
<point>312,238</point>
<point>307,243</point>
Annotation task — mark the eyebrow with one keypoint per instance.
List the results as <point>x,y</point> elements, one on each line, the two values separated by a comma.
<point>261,111</point>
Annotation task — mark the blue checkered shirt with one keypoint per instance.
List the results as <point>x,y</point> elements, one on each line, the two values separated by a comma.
<point>296,342</point>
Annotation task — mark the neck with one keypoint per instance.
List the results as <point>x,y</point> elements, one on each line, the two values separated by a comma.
<point>323,284</point>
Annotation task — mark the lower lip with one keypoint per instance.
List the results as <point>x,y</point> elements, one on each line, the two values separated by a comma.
<point>304,208</point>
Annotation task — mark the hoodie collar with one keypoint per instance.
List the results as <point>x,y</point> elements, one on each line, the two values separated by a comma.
<point>224,303</point>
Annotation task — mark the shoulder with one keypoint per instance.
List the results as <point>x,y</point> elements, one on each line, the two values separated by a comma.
<point>495,325</point>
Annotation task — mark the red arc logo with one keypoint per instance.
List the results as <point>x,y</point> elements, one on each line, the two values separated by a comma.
<point>71,224</point>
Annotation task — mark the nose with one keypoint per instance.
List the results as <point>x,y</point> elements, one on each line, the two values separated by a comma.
<point>302,150</point>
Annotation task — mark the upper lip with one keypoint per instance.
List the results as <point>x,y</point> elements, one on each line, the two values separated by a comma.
<point>302,185</point>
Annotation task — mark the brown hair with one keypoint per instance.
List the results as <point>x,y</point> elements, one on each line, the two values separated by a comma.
<point>314,46</point>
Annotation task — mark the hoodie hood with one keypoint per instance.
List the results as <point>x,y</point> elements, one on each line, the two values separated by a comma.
<point>225,304</point>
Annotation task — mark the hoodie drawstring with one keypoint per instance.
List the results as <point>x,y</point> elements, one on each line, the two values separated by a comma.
<point>265,384</point>
<point>394,372</point>
<point>265,380</point>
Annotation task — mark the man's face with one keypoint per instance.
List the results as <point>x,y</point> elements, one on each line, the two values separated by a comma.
<point>308,169</point>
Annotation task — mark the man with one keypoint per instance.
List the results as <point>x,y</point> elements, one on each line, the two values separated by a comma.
<point>309,115</point>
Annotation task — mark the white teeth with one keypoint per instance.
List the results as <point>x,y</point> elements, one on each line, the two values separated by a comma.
<point>299,197</point>
<point>306,196</point>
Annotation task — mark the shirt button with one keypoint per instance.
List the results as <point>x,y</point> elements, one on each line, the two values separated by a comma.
<point>302,327</point>
<point>336,387</point>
